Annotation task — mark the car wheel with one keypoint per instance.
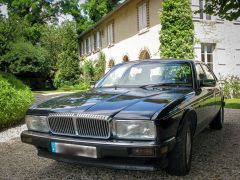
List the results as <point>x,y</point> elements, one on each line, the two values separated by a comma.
<point>179,159</point>
<point>218,121</point>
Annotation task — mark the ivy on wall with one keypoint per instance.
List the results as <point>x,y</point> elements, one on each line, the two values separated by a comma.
<point>177,32</point>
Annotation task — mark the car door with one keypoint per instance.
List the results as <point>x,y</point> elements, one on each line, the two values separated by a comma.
<point>202,97</point>
<point>210,85</point>
<point>215,101</point>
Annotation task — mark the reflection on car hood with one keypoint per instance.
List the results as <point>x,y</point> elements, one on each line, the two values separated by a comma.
<point>121,103</point>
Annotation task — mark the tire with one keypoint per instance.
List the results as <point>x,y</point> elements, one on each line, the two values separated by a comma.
<point>218,121</point>
<point>179,159</point>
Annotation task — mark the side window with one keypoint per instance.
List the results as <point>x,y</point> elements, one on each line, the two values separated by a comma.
<point>209,75</point>
<point>200,73</point>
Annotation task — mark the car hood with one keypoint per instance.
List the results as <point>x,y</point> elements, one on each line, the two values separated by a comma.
<point>120,103</point>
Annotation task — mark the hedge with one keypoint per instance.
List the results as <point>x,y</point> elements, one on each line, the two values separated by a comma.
<point>15,99</point>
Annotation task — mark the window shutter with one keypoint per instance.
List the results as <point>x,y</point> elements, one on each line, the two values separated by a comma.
<point>82,48</point>
<point>144,15</point>
<point>148,15</point>
<point>140,16</point>
<point>92,43</point>
<point>113,37</point>
<point>108,34</point>
<point>85,46</point>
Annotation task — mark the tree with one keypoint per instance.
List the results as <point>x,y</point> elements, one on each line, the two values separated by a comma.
<point>68,72</point>
<point>26,59</point>
<point>96,9</point>
<point>226,9</point>
<point>177,32</point>
<point>37,11</point>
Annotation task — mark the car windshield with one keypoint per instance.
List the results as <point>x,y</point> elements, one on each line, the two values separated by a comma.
<point>148,73</point>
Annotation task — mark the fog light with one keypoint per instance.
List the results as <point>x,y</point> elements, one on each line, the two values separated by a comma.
<point>142,152</point>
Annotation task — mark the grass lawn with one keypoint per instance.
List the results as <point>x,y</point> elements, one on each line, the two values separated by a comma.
<point>232,103</point>
<point>55,91</point>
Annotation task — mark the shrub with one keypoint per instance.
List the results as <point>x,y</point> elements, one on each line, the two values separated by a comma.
<point>177,32</point>
<point>231,87</point>
<point>25,58</point>
<point>100,66</point>
<point>88,70</point>
<point>15,99</point>
<point>68,71</point>
<point>94,70</point>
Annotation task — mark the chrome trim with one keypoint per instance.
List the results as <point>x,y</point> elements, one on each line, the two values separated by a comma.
<point>93,128</point>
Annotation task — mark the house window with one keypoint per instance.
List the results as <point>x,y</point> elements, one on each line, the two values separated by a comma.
<point>143,15</point>
<point>110,34</point>
<point>203,15</point>
<point>207,54</point>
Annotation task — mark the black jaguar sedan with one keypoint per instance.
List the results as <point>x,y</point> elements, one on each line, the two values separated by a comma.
<point>141,115</point>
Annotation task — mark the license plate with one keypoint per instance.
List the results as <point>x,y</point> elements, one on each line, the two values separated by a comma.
<point>73,149</point>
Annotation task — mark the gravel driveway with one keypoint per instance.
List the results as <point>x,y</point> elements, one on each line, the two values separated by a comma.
<point>216,154</point>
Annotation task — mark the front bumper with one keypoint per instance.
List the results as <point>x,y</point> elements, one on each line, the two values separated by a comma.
<point>110,153</point>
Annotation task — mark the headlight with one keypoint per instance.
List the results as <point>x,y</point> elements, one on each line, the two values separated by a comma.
<point>135,129</point>
<point>37,123</point>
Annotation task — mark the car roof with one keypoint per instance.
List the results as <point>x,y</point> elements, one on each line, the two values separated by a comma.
<point>162,60</point>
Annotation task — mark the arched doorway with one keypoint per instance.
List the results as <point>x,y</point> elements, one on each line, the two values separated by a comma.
<point>111,63</point>
<point>144,54</point>
<point>125,58</point>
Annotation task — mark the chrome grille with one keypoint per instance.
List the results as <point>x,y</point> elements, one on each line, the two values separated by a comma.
<point>81,125</point>
<point>61,125</point>
<point>92,127</point>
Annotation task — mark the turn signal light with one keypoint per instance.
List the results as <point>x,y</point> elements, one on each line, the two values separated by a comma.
<point>142,152</point>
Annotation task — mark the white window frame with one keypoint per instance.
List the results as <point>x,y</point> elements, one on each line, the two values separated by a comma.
<point>142,10</point>
<point>205,53</point>
<point>110,34</point>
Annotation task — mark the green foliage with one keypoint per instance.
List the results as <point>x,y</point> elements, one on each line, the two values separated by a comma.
<point>177,32</point>
<point>232,103</point>
<point>229,10</point>
<point>100,66</point>
<point>15,99</point>
<point>231,87</point>
<point>37,11</point>
<point>94,70</point>
<point>81,86</point>
<point>96,9</point>
<point>25,58</point>
<point>68,72</point>
<point>88,70</point>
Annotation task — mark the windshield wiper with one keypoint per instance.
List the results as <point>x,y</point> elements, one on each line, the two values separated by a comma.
<point>163,84</point>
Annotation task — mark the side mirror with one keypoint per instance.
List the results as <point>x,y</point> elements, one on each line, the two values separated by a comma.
<point>207,83</point>
<point>92,84</point>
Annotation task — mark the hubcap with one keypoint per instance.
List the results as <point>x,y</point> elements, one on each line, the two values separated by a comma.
<point>188,146</point>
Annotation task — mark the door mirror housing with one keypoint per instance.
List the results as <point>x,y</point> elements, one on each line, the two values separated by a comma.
<point>207,83</point>
<point>92,84</point>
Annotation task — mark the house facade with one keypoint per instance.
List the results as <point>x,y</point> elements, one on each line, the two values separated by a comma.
<point>131,32</point>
